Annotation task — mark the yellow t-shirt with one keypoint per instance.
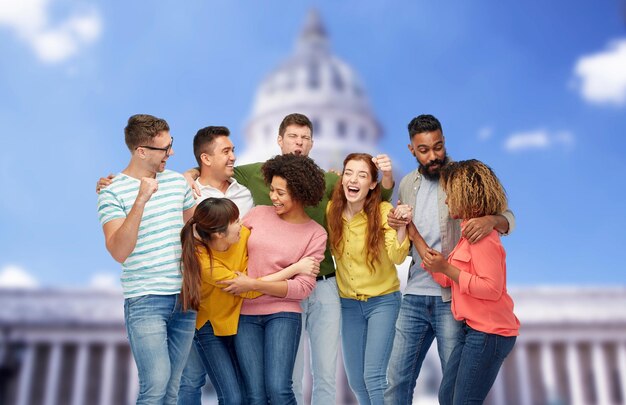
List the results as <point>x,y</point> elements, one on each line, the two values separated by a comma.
<point>355,279</point>
<point>221,308</point>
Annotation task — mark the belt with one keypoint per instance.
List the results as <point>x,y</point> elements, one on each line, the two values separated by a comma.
<point>326,277</point>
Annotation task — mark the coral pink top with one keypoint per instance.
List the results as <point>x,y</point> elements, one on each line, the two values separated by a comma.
<point>273,245</point>
<point>480,297</point>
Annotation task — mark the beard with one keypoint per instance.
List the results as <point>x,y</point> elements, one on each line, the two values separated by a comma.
<point>426,171</point>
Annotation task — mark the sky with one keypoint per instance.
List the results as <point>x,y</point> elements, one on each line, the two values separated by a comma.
<point>535,89</point>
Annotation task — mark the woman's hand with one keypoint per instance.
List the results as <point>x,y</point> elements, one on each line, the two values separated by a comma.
<point>239,285</point>
<point>308,266</point>
<point>434,261</point>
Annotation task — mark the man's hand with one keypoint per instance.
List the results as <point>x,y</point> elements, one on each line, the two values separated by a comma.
<point>308,266</point>
<point>400,216</point>
<point>383,163</point>
<point>147,187</point>
<point>477,228</point>
<point>104,182</point>
<point>191,175</point>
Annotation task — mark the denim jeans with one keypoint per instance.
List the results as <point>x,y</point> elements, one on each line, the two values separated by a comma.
<point>367,332</point>
<point>422,318</point>
<point>321,318</point>
<point>216,356</point>
<point>266,347</point>
<point>193,378</point>
<point>160,337</point>
<point>473,366</point>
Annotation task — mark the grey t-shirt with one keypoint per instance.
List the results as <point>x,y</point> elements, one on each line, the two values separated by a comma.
<point>426,219</point>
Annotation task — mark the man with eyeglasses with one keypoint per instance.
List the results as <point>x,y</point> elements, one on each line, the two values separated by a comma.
<point>142,213</point>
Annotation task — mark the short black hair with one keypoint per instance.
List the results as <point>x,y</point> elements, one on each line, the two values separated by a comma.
<point>305,180</point>
<point>204,138</point>
<point>423,123</point>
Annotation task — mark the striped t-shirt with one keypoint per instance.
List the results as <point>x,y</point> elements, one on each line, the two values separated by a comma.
<point>153,267</point>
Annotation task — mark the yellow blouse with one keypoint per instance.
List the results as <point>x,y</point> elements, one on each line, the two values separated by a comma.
<point>355,279</point>
<point>221,308</point>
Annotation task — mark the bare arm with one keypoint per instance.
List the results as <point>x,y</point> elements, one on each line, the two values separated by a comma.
<point>243,283</point>
<point>383,163</point>
<point>121,234</point>
<point>309,266</point>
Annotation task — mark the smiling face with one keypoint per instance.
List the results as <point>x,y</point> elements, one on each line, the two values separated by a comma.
<point>430,151</point>
<point>297,139</point>
<point>156,159</point>
<point>221,159</point>
<point>357,181</point>
<point>280,196</point>
<point>233,232</point>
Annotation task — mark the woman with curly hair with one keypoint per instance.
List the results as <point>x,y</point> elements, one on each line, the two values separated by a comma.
<point>365,248</point>
<point>477,274</point>
<point>270,326</point>
<point>214,250</point>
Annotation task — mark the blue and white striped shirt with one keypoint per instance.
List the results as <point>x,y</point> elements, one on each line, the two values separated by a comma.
<point>153,267</point>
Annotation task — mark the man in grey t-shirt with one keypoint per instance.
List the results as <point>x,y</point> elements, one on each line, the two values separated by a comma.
<point>425,312</point>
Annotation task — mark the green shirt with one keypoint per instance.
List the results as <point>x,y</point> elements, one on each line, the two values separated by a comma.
<point>251,176</point>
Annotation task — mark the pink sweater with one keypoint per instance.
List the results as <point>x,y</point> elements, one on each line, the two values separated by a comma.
<point>273,245</point>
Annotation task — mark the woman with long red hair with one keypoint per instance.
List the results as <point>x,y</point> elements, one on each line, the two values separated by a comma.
<point>366,250</point>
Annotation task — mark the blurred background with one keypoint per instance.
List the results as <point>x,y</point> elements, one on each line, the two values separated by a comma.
<point>535,89</point>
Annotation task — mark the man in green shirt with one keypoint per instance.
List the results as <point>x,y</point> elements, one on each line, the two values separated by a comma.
<point>321,311</point>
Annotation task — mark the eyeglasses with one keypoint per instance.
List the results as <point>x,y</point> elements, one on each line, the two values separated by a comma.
<point>167,149</point>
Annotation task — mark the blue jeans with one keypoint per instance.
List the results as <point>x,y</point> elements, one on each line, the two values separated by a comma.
<point>321,318</point>
<point>193,378</point>
<point>216,356</point>
<point>160,336</point>
<point>367,331</point>
<point>473,366</point>
<point>422,318</point>
<point>266,347</point>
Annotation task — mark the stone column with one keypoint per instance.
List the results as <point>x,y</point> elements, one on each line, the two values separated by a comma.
<point>108,370</point>
<point>621,367</point>
<point>52,377</point>
<point>26,372</point>
<point>80,374</point>
<point>600,375</point>
<point>574,378</point>
<point>548,371</point>
<point>521,360</point>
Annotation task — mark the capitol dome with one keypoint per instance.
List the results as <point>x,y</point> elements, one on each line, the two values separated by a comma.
<point>318,84</point>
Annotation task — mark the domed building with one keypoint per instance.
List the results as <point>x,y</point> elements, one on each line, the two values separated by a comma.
<point>318,84</point>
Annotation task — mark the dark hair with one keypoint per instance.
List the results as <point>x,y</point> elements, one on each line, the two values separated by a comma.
<point>203,141</point>
<point>473,189</point>
<point>142,129</point>
<point>423,123</point>
<point>305,180</point>
<point>374,236</point>
<point>212,216</point>
<point>295,119</point>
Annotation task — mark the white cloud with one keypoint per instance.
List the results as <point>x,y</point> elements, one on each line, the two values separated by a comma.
<point>12,276</point>
<point>485,133</point>
<point>538,139</point>
<point>601,77</point>
<point>51,42</point>
<point>105,281</point>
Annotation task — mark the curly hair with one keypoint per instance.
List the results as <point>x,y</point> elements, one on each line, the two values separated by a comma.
<point>473,189</point>
<point>374,233</point>
<point>305,180</point>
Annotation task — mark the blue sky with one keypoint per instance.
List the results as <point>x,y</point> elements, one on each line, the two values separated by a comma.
<point>536,89</point>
